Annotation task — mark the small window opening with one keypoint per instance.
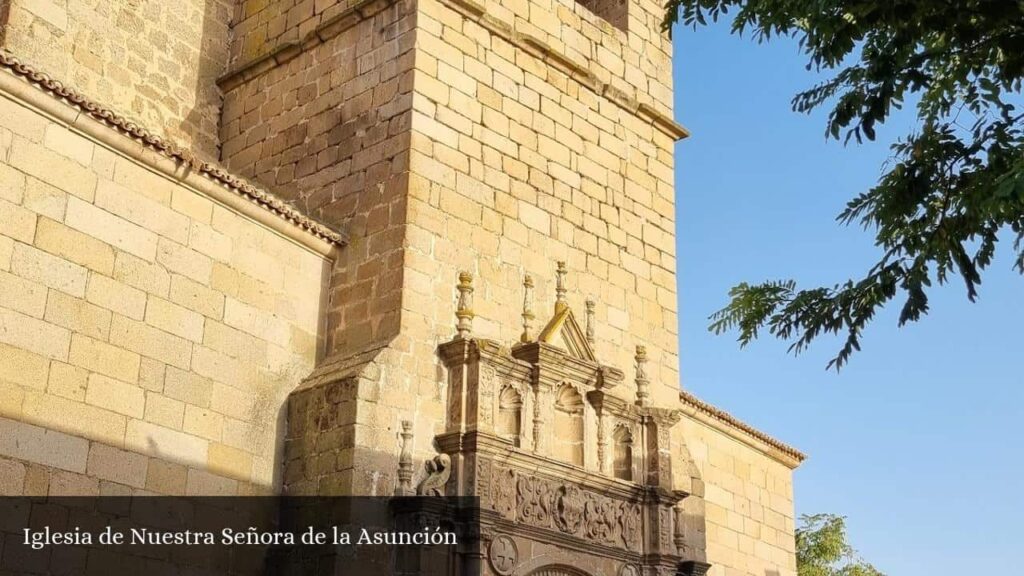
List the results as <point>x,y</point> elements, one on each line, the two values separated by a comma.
<point>615,12</point>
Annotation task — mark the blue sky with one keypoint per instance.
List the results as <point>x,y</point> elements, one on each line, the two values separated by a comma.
<point>917,441</point>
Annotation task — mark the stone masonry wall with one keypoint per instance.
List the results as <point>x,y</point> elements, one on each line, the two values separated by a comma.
<point>748,503</point>
<point>152,60</point>
<point>149,336</point>
<point>533,137</point>
<point>329,131</point>
<point>537,138</point>
<point>262,26</point>
<point>634,59</point>
<point>515,162</point>
<point>615,12</point>
<point>519,161</point>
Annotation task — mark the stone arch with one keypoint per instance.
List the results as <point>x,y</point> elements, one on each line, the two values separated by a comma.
<point>573,563</point>
<point>510,414</point>
<point>558,570</point>
<point>569,420</point>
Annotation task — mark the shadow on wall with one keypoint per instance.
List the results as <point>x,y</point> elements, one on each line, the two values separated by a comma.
<point>201,123</point>
<point>40,456</point>
<point>5,13</point>
<point>77,467</point>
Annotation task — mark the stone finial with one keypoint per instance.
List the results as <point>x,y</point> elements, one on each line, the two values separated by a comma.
<point>464,310</point>
<point>590,321</point>
<point>404,487</point>
<point>641,376</point>
<point>560,302</point>
<point>528,315</point>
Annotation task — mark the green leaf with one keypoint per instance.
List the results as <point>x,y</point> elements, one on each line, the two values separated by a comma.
<point>952,187</point>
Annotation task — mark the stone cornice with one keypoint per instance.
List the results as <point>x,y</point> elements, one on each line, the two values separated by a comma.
<point>289,50</point>
<point>546,53</point>
<point>744,432</point>
<point>472,10</point>
<point>560,365</point>
<point>65,105</point>
<point>501,450</point>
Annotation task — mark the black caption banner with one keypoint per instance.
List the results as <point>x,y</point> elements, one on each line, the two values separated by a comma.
<point>172,535</point>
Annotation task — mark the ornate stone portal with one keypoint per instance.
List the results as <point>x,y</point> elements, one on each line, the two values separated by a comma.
<point>568,473</point>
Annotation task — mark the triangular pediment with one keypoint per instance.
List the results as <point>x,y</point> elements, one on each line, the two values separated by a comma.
<point>564,332</point>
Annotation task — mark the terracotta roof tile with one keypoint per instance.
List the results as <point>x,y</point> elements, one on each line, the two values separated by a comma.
<point>263,198</point>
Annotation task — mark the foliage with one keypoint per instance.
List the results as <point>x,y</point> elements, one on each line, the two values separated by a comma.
<point>822,549</point>
<point>955,185</point>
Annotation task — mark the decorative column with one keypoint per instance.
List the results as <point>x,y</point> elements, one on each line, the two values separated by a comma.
<point>528,315</point>
<point>464,310</point>
<point>540,397</point>
<point>641,377</point>
<point>405,487</point>
<point>679,537</point>
<point>560,301</point>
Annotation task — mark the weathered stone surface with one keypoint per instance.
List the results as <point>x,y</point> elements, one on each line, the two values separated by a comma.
<point>47,447</point>
<point>151,59</point>
<point>106,272</point>
<point>171,333</point>
<point>117,465</point>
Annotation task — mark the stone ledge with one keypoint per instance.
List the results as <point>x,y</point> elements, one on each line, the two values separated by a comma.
<point>744,432</point>
<point>543,51</point>
<point>51,98</point>
<point>471,10</point>
<point>290,50</point>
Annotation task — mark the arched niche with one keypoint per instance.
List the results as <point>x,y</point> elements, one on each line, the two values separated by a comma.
<point>622,453</point>
<point>568,430</point>
<point>510,414</point>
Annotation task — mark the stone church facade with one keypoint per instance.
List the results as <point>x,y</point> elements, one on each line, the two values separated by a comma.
<point>367,247</point>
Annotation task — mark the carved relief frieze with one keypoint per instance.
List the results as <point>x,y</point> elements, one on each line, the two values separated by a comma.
<point>455,396</point>
<point>545,503</point>
<point>629,521</point>
<point>563,506</point>
<point>488,381</point>
<point>665,529</point>
<point>503,492</point>
<point>600,521</point>
<point>534,505</point>
<point>569,508</point>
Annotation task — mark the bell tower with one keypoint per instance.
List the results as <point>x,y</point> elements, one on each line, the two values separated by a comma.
<point>445,135</point>
<point>493,138</point>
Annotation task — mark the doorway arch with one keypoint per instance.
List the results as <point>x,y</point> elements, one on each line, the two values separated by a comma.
<point>557,570</point>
